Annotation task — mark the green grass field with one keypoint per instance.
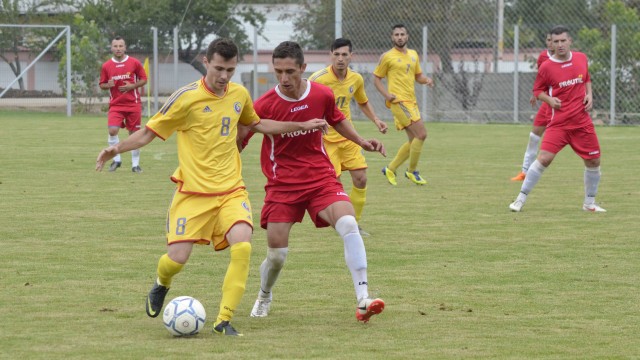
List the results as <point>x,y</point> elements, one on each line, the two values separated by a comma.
<point>462,276</point>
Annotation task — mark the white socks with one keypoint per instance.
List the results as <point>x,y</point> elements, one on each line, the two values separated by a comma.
<point>113,140</point>
<point>531,152</point>
<point>533,175</point>
<point>270,269</point>
<point>135,157</point>
<point>354,254</point>
<point>591,181</point>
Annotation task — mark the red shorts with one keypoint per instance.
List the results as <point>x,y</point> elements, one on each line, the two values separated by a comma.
<point>289,206</point>
<point>583,141</point>
<point>543,115</point>
<point>125,119</point>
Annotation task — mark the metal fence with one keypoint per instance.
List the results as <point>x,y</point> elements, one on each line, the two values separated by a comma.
<point>481,53</point>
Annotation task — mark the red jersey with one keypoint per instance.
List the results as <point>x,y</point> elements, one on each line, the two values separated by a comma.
<point>129,70</point>
<point>297,160</point>
<point>544,56</point>
<point>565,80</point>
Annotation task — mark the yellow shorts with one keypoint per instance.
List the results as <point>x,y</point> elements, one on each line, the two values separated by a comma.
<point>404,113</point>
<point>206,219</point>
<point>345,155</point>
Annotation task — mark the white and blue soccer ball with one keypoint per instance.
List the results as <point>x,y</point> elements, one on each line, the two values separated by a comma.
<point>184,316</point>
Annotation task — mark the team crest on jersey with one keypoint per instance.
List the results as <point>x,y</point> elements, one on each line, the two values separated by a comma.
<point>351,89</point>
<point>413,59</point>
<point>237,107</point>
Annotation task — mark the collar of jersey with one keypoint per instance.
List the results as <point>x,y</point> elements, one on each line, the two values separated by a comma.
<point>562,61</point>
<point>207,89</point>
<point>304,96</point>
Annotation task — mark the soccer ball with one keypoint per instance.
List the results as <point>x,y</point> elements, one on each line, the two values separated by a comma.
<point>184,316</point>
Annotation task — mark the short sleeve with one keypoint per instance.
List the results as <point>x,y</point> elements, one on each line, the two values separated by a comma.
<point>360,95</point>
<point>382,67</point>
<point>169,119</point>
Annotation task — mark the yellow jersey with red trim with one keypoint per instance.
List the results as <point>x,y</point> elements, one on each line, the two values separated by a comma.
<point>352,87</point>
<point>206,127</point>
<point>400,69</point>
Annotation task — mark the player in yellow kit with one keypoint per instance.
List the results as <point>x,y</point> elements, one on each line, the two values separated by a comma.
<point>210,204</point>
<point>401,67</point>
<point>344,154</point>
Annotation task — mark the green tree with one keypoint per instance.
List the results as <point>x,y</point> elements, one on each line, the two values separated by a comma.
<point>315,26</point>
<point>198,21</point>
<point>13,40</point>
<point>86,62</point>
<point>596,42</point>
<point>536,17</point>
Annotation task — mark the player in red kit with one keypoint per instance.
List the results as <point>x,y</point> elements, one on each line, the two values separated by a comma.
<point>564,83</point>
<point>540,121</point>
<point>122,75</point>
<point>300,177</point>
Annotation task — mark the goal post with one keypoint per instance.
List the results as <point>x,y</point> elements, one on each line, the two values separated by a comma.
<point>66,30</point>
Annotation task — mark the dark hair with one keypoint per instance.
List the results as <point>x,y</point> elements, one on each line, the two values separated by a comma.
<point>223,47</point>
<point>340,42</point>
<point>288,49</point>
<point>560,29</point>
<point>119,38</point>
<point>396,26</point>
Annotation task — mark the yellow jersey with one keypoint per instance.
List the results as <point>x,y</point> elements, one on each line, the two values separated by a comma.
<point>344,91</point>
<point>400,69</point>
<point>206,126</point>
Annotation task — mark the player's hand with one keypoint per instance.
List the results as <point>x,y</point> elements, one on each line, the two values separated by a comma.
<point>104,156</point>
<point>532,101</point>
<point>111,83</point>
<point>374,145</point>
<point>315,124</point>
<point>391,98</point>
<point>382,126</point>
<point>126,87</point>
<point>429,82</point>
<point>588,102</point>
<point>556,103</point>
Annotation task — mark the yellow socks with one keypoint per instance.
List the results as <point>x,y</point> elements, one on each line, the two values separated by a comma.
<point>167,268</point>
<point>358,198</point>
<point>235,280</point>
<point>414,155</point>
<point>401,156</point>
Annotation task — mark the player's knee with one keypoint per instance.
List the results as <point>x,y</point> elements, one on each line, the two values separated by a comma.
<point>347,224</point>
<point>277,256</point>
<point>360,181</point>
<point>592,163</point>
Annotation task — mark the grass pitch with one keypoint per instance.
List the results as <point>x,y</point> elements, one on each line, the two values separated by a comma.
<point>462,276</point>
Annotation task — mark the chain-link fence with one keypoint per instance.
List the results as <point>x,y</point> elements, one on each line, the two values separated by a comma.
<point>482,53</point>
<point>472,54</point>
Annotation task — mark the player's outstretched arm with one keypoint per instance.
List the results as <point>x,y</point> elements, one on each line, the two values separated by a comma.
<point>345,129</point>
<point>424,80</point>
<point>367,109</point>
<point>380,87</point>
<point>136,140</point>
<point>266,126</point>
